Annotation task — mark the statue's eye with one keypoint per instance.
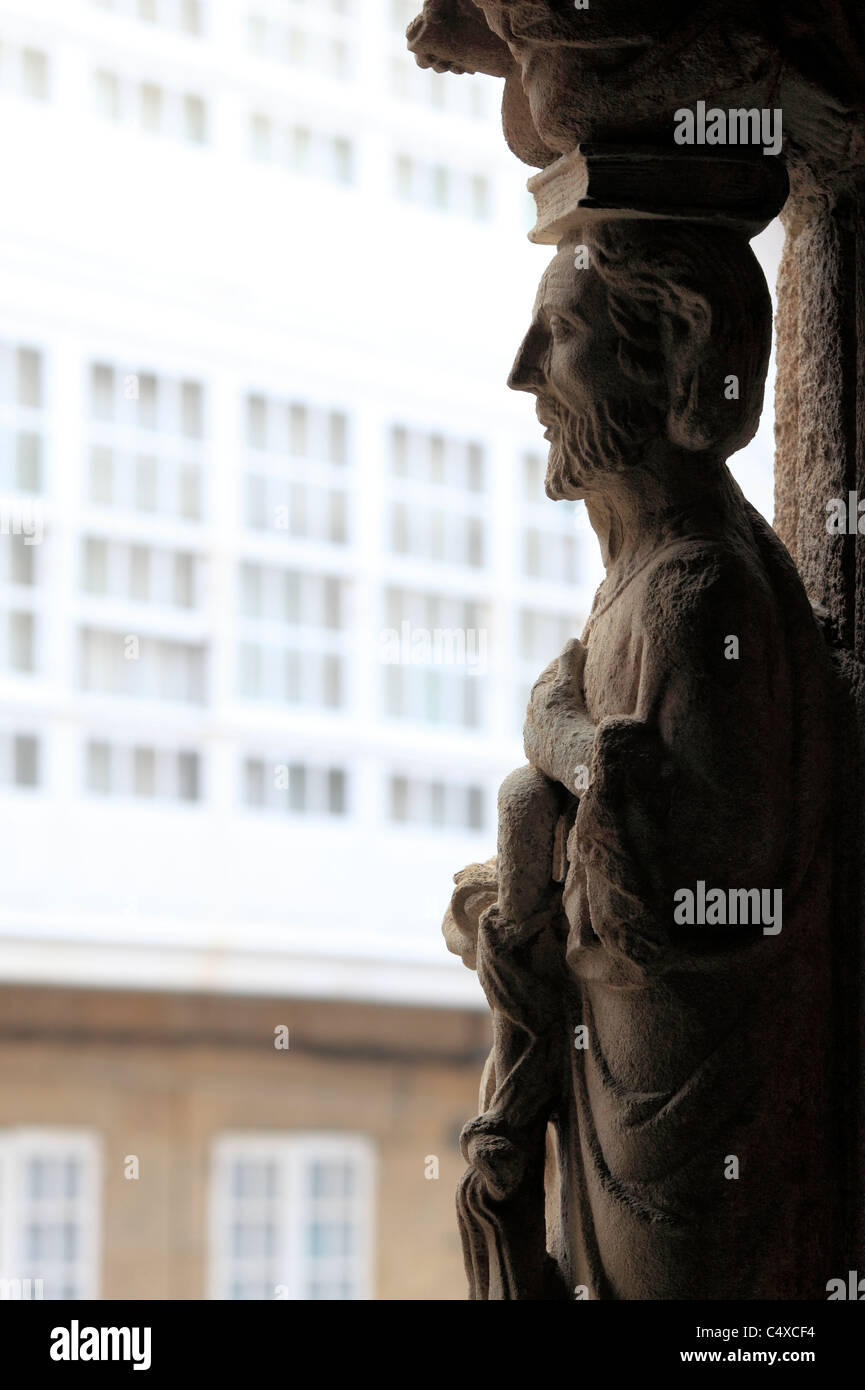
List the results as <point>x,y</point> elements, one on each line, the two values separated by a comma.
<point>558,326</point>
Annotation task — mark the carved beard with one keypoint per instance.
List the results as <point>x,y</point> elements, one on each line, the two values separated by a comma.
<point>605,437</point>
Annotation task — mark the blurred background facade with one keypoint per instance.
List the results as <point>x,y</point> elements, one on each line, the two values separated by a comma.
<point>276,575</point>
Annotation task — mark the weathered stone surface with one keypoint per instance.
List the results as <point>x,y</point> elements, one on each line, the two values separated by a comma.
<point>594,181</point>
<point>703,1043</point>
<point>658,757</point>
<point>620,70</point>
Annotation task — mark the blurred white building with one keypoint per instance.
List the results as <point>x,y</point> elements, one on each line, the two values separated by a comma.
<point>277,567</point>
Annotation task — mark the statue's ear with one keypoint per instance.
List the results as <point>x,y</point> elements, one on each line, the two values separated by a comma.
<point>691,367</point>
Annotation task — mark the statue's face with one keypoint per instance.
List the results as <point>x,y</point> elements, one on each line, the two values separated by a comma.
<point>594,73</point>
<point>596,418</point>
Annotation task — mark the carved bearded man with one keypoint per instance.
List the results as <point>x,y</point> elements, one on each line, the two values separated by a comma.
<point>617,70</point>
<point>677,1068</point>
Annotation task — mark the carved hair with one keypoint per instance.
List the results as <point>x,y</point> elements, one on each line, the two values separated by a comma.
<point>692,309</point>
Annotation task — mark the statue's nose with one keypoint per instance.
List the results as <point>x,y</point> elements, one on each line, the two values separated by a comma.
<point>526,374</point>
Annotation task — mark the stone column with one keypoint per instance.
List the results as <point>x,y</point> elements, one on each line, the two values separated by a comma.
<point>820,456</point>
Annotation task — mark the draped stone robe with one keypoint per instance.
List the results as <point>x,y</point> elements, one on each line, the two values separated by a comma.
<point>704,1043</point>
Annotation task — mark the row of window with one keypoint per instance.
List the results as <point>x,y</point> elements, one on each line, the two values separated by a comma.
<point>144,401</point>
<point>438,535</point>
<point>190,16</point>
<point>440,187</point>
<point>290,1215</point>
<point>148,435</point>
<point>313,35</point>
<point>126,402</point>
<point>140,771</point>
<point>436,460</point>
<point>271,672</point>
<point>173,112</point>
<point>24,72</point>
<point>293,429</point>
<point>293,649</point>
<point>21,400</point>
<point>328,155</point>
<point>328,52</point>
<point>295,598</point>
<point>173,578</point>
<point>315,50</point>
<point>151,107</point>
<point>130,402</point>
<point>307,511</point>
<point>141,574</point>
<point>187,16</point>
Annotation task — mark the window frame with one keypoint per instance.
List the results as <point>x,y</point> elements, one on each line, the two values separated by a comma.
<point>18,1145</point>
<point>293,1152</point>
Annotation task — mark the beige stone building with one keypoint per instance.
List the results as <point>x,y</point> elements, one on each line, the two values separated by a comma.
<point>170,1146</point>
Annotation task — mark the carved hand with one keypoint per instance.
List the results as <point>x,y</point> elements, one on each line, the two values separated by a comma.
<point>558,733</point>
<point>453,36</point>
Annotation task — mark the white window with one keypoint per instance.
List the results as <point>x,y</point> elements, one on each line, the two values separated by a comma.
<point>294,787</point>
<point>297,482</point>
<point>19,578</point>
<point>293,647</point>
<point>287,675</point>
<point>301,510</point>
<point>425,696</point>
<point>194,118</point>
<point>322,43</point>
<point>187,16</point>
<point>434,658</point>
<point>50,1213</point>
<point>191,14</point>
<point>446,189</point>
<point>276,595</point>
<point>438,509</point>
<point>18,560</point>
<point>17,641</point>
<point>550,556</point>
<point>549,541</point>
<point>19,760</point>
<point>291,1217</point>
<point>142,574</point>
<point>435,460</point>
<point>141,771</point>
<point>449,805</point>
<point>22,418</point>
<point>540,637</point>
<point>106,94</point>
<point>24,72</point>
<point>149,107</point>
<point>317,153</point>
<point>148,668</point>
<point>296,429</point>
<point>437,534</point>
<point>147,441</point>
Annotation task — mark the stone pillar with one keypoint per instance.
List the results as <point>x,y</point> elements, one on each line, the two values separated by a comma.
<point>820,455</point>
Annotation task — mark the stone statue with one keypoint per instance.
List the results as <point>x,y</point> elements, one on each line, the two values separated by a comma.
<point>655,933</point>
<point>618,70</point>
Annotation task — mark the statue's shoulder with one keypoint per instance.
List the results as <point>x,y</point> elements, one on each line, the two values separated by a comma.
<point>699,564</point>
<point>702,582</point>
